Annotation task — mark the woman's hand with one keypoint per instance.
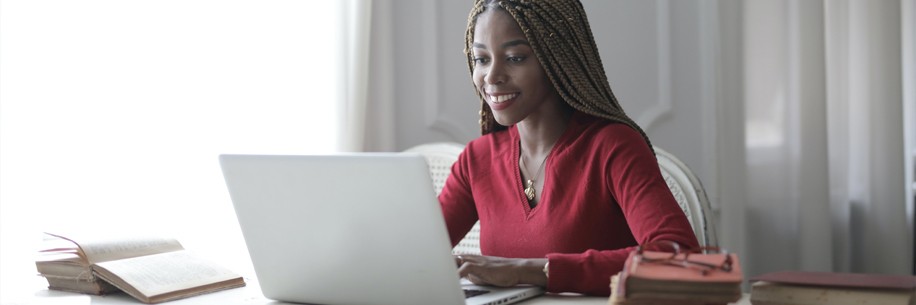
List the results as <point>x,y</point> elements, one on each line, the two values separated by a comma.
<point>501,271</point>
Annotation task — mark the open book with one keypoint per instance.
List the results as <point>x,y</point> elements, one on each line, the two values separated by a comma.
<point>150,269</point>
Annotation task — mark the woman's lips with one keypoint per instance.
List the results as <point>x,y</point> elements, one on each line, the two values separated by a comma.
<point>501,101</point>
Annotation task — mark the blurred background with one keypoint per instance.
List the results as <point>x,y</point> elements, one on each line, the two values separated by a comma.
<point>799,117</point>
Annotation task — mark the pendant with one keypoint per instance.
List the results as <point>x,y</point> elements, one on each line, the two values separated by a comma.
<point>529,190</point>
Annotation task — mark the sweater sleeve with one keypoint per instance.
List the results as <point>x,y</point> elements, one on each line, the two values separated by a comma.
<point>457,201</point>
<point>650,210</point>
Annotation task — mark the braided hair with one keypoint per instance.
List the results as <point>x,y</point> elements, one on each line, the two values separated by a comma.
<point>560,36</point>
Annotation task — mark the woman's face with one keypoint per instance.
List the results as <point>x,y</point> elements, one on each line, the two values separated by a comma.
<point>506,71</point>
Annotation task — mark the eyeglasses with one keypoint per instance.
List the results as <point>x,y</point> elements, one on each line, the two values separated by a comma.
<point>681,258</point>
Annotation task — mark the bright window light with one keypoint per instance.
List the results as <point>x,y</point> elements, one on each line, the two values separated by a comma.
<point>113,113</point>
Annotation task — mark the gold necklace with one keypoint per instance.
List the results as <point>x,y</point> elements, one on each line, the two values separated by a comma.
<point>529,183</point>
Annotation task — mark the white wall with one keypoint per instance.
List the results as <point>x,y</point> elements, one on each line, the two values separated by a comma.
<point>652,51</point>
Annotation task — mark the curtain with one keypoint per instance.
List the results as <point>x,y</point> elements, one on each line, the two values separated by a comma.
<point>824,137</point>
<point>378,126</point>
<point>908,13</point>
<point>355,79</point>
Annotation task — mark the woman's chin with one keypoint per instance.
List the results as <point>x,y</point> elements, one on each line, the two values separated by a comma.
<point>505,121</point>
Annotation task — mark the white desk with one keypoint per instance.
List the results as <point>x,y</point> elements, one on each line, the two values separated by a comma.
<point>19,285</point>
<point>251,295</point>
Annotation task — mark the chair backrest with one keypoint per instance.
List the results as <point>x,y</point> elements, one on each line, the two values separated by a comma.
<point>690,195</point>
<point>439,157</point>
<point>684,185</point>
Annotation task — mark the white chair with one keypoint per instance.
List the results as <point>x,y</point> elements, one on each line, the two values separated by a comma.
<point>439,157</point>
<point>684,185</point>
<point>690,195</point>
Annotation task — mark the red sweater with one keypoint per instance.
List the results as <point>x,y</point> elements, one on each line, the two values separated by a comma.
<point>603,194</point>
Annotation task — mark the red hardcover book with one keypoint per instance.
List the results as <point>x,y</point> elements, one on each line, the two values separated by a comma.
<point>660,278</point>
<point>834,288</point>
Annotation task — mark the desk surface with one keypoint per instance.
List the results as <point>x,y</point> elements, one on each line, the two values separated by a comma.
<point>251,295</point>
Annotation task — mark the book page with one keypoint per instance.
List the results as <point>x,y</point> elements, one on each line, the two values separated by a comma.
<point>158,274</point>
<point>61,257</point>
<point>72,267</point>
<point>55,244</point>
<point>107,247</point>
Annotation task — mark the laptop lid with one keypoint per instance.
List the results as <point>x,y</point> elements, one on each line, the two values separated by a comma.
<point>347,229</point>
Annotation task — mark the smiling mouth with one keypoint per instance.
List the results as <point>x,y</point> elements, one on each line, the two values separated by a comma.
<point>498,99</point>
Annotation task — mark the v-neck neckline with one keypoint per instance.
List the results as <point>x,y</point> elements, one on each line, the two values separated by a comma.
<point>528,210</point>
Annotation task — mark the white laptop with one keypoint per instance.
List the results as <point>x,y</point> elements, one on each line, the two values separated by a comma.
<point>349,229</point>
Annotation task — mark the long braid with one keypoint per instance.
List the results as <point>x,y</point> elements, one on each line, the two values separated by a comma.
<point>559,34</point>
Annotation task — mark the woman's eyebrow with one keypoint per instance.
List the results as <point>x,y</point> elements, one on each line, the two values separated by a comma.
<point>505,45</point>
<point>515,43</point>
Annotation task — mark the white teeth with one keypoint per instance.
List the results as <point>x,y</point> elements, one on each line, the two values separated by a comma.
<point>502,98</point>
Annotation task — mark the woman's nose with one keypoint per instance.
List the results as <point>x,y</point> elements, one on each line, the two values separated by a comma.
<point>496,74</point>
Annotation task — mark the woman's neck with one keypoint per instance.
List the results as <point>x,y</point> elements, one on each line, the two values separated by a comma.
<point>538,132</point>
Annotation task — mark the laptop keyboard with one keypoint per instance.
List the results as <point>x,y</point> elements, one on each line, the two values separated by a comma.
<point>469,293</point>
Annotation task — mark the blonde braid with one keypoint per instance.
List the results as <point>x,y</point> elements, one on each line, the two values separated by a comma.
<point>559,34</point>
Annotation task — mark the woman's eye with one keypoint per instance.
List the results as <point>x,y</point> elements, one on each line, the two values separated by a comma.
<point>481,60</point>
<point>515,59</point>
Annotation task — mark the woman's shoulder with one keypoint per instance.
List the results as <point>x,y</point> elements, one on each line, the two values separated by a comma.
<point>488,143</point>
<point>595,130</point>
<point>486,151</point>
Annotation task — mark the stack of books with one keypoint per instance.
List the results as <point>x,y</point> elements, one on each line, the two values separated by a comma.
<point>148,268</point>
<point>833,288</point>
<point>664,278</point>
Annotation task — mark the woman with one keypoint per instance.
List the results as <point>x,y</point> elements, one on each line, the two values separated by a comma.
<point>564,184</point>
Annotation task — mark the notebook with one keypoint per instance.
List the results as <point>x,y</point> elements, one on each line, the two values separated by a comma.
<point>362,228</point>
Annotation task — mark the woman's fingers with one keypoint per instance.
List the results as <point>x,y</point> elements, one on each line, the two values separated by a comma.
<point>475,274</point>
<point>471,258</point>
<point>471,269</point>
<point>476,280</point>
<point>484,270</point>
